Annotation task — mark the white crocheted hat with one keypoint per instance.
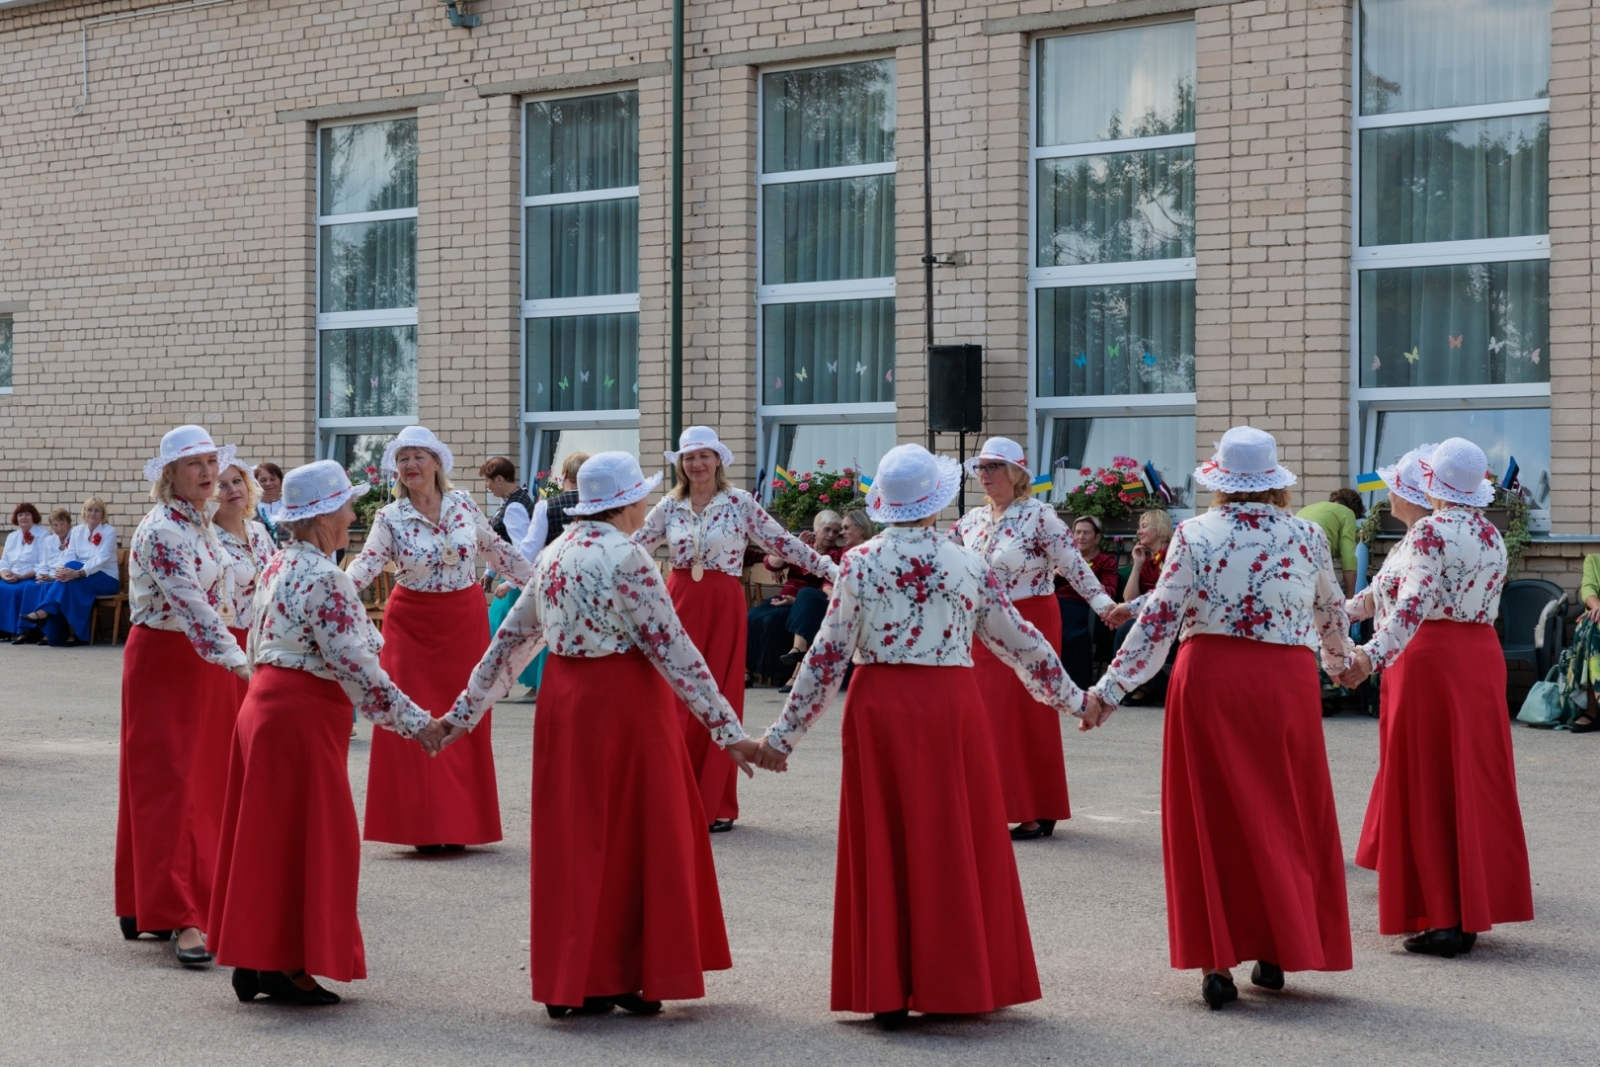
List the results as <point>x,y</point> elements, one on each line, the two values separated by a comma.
<point>1458,471</point>
<point>610,480</point>
<point>912,483</point>
<point>1246,462</point>
<point>1404,479</point>
<point>417,437</point>
<point>696,438</point>
<point>183,442</point>
<point>998,448</point>
<point>319,488</point>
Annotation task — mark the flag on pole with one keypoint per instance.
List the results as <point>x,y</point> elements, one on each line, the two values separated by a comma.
<point>863,483</point>
<point>1160,487</point>
<point>1369,482</point>
<point>1043,484</point>
<point>1509,482</point>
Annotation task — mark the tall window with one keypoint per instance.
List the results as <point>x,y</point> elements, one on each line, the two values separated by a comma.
<point>580,300</point>
<point>5,354</point>
<point>825,286</point>
<point>366,287</point>
<point>1452,247</point>
<point>1111,273</point>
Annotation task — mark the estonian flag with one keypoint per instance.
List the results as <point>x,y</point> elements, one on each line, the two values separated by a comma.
<point>1043,484</point>
<point>1509,482</point>
<point>1369,483</point>
<point>1158,487</point>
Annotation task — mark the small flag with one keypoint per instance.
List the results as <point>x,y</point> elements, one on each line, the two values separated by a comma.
<point>1369,482</point>
<point>1509,482</point>
<point>1161,489</point>
<point>1043,484</point>
<point>863,483</point>
<point>784,476</point>
<point>1137,483</point>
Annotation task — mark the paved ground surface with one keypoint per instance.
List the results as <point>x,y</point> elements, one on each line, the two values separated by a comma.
<point>446,937</point>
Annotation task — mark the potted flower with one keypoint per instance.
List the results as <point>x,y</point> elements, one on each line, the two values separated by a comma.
<point>796,502</point>
<point>1115,495</point>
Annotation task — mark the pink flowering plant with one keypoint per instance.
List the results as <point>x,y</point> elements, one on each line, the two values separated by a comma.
<point>1105,492</point>
<point>367,505</point>
<point>795,505</point>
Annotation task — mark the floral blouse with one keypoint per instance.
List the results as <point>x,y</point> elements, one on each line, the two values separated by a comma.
<point>436,559</point>
<point>245,562</point>
<point>717,536</point>
<point>598,594</point>
<point>1025,546</point>
<point>1377,599</point>
<point>178,580</point>
<point>911,595</point>
<point>309,617</point>
<point>1239,570</point>
<point>1454,568</point>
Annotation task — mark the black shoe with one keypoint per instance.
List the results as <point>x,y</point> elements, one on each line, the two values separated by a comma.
<point>791,657</point>
<point>191,957</point>
<point>557,1011</point>
<point>891,1020</point>
<point>1267,975</point>
<point>1582,725</point>
<point>1019,834</point>
<point>785,688</point>
<point>429,850</point>
<point>280,986</point>
<point>1467,941</point>
<point>28,637</point>
<point>721,826</point>
<point>634,1004</point>
<point>1442,943</point>
<point>1218,990</point>
<point>246,984</point>
<point>131,931</point>
<point>454,848</point>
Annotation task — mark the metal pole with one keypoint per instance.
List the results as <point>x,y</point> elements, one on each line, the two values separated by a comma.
<point>676,299</point>
<point>928,259</point>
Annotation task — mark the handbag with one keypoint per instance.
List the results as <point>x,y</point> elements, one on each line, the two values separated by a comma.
<point>1544,705</point>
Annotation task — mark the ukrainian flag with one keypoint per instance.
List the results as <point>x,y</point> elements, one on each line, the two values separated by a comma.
<point>863,483</point>
<point>1043,484</point>
<point>785,477</point>
<point>1369,483</point>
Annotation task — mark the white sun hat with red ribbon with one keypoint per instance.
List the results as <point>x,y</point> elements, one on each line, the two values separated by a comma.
<point>1003,449</point>
<point>1404,479</point>
<point>696,438</point>
<point>610,480</point>
<point>417,437</point>
<point>1246,462</point>
<point>183,442</point>
<point>1458,472</point>
<point>912,483</point>
<point>319,488</point>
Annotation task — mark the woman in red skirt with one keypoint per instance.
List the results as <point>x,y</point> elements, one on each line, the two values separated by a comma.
<point>248,545</point>
<point>624,894</point>
<point>180,692</point>
<point>1250,838</point>
<point>1444,826</point>
<point>290,859</point>
<point>1025,543</point>
<point>928,911</point>
<point>434,629</point>
<point>706,524</point>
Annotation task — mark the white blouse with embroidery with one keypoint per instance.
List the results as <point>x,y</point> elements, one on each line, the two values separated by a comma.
<point>96,549</point>
<point>57,553</point>
<point>911,595</point>
<point>1239,570</point>
<point>1026,545</point>
<point>22,556</point>
<point>177,580</point>
<point>245,564</point>
<point>432,558</point>
<point>1377,599</point>
<point>716,537</point>
<point>1453,570</point>
<point>596,594</point>
<point>310,618</point>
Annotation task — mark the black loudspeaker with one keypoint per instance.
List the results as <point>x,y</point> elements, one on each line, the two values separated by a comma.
<point>955,388</point>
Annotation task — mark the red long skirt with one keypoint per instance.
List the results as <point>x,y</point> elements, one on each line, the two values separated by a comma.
<point>713,614</point>
<point>624,893</point>
<point>927,910</point>
<point>290,858</point>
<point>1444,828</point>
<point>1250,838</point>
<point>431,642</point>
<point>177,724</point>
<point>241,684</point>
<point>1027,734</point>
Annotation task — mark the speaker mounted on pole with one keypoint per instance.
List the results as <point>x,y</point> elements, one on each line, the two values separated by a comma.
<point>955,388</point>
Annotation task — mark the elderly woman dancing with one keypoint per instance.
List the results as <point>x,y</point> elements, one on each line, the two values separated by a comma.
<point>706,524</point>
<point>1249,834</point>
<point>624,893</point>
<point>284,908</point>
<point>247,540</point>
<point>435,628</point>
<point>179,700</point>
<point>87,571</point>
<point>928,910</point>
<point>1444,827</point>
<point>1025,542</point>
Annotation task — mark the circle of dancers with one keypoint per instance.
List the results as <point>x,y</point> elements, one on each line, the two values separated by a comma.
<point>237,837</point>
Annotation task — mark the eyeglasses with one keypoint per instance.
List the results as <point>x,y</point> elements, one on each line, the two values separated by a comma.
<point>990,468</point>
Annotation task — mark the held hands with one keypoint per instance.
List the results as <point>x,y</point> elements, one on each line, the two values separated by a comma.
<point>431,736</point>
<point>770,759</point>
<point>1096,712</point>
<point>242,671</point>
<point>1358,671</point>
<point>1119,614</point>
<point>743,753</point>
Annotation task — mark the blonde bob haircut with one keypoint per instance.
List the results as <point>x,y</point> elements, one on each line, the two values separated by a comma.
<point>1160,522</point>
<point>570,465</point>
<point>1278,498</point>
<point>680,491</point>
<point>93,502</point>
<point>252,488</point>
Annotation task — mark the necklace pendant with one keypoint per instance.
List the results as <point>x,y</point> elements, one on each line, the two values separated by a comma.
<point>697,572</point>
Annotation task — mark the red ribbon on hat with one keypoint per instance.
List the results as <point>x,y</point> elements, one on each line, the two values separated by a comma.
<point>1430,477</point>
<point>1211,466</point>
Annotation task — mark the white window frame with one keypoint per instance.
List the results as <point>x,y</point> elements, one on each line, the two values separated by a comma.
<point>329,428</point>
<point>770,417</point>
<point>1368,404</point>
<point>1043,410</point>
<point>535,423</point>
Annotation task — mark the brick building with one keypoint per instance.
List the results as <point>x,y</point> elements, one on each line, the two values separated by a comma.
<point>1357,225</point>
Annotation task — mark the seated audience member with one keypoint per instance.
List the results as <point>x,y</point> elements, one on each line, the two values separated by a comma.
<point>24,549</point>
<point>811,599</point>
<point>270,477</point>
<point>1588,635</point>
<point>1077,618</point>
<point>80,573</point>
<point>1339,516</point>
<point>1149,554</point>
<point>53,555</point>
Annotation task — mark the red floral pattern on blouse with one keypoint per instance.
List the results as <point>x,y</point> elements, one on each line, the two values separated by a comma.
<point>912,595</point>
<point>245,564</point>
<point>728,522</point>
<point>440,558</point>
<point>1026,545</point>
<point>1240,570</point>
<point>177,581</point>
<point>596,593</point>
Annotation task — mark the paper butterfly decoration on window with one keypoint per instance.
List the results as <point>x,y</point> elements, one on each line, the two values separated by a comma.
<point>777,383</point>
<point>1082,360</point>
<point>1455,341</point>
<point>1496,346</point>
<point>1114,350</point>
<point>610,381</point>
<point>1413,355</point>
<point>563,383</point>
<point>1377,364</point>
<point>802,375</point>
<point>583,376</point>
<point>833,368</point>
<point>539,389</point>
<point>1535,356</point>
<point>888,376</point>
<point>1149,360</point>
<point>861,368</point>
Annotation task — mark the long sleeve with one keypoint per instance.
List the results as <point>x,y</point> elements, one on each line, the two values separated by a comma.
<point>1591,579</point>
<point>1328,609</point>
<point>1419,590</point>
<point>1360,607</point>
<point>512,649</point>
<point>501,555</point>
<point>1144,650</point>
<point>822,671</point>
<point>766,531</point>
<point>537,535</point>
<point>101,557</point>
<point>172,569</point>
<point>516,520</point>
<point>653,534</point>
<point>337,632</point>
<point>1347,543</point>
<point>1055,541</point>
<point>1019,645</point>
<point>378,551</point>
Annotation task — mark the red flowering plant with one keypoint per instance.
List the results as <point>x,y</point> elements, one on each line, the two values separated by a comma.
<point>1112,493</point>
<point>368,504</point>
<point>796,504</point>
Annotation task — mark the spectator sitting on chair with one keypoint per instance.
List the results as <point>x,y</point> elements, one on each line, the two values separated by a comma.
<point>1339,515</point>
<point>1077,618</point>
<point>54,554</point>
<point>1587,721</point>
<point>811,600</point>
<point>24,549</point>
<point>1149,554</point>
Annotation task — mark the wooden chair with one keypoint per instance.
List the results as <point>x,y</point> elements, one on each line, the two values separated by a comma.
<point>382,588</point>
<point>117,603</point>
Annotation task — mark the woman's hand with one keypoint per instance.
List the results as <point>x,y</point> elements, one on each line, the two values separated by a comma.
<point>1593,614</point>
<point>1360,667</point>
<point>743,753</point>
<point>1119,614</point>
<point>9,576</point>
<point>242,671</point>
<point>431,736</point>
<point>780,601</point>
<point>770,759</point>
<point>67,574</point>
<point>504,591</point>
<point>1139,554</point>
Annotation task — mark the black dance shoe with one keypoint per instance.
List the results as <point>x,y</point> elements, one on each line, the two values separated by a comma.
<point>721,826</point>
<point>454,848</point>
<point>634,1004</point>
<point>1218,989</point>
<point>1467,941</point>
<point>429,850</point>
<point>1442,943</point>
<point>791,657</point>
<point>1267,975</point>
<point>131,931</point>
<point>891,1020</point>
<point>191,957</point>
<point>246,984</point>
<point>29,637</point>
<point>280,986</point>
<point>1042,828</point>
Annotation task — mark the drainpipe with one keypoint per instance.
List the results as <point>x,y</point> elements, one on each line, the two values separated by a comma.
<point>928,258</point>
<point>676,299</point>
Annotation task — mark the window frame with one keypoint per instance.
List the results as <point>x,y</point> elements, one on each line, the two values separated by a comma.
<point>329,429</point>
<point>533,423</point>
<point>1043,410</point>
<point>1368,404</point>
<point>770,418</point>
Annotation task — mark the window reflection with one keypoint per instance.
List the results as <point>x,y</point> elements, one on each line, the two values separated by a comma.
<point>833,446</point>
<point>1116,208</point>
<point>1166,442</point>
<point>1135,82</point>
<point>1501,432</point>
